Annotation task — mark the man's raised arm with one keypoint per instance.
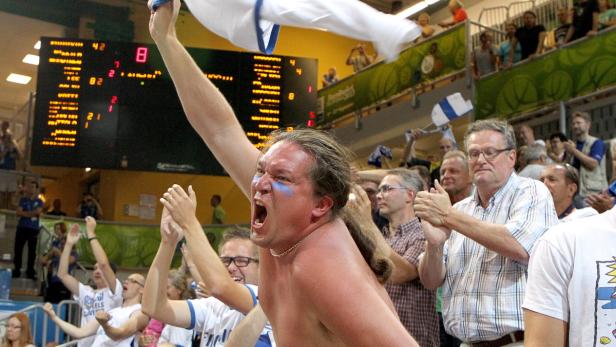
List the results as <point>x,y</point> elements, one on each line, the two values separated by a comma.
<point>69,281</point>
<point>206,108</point>
<point>155,302</point>
<point>100,255</point>
<point>215,275</point>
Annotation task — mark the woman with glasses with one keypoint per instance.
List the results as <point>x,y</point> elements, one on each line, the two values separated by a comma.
<point>18,331</point>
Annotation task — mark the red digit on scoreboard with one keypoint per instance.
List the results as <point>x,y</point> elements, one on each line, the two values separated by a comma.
<point>142,55</point>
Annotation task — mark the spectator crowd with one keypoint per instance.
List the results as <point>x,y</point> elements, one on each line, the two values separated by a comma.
<point>503,240</point>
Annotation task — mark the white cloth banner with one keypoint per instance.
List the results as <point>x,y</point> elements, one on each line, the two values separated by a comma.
<point>236,21</point>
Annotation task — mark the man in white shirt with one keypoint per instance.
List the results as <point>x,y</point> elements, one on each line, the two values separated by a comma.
<point>108,292</point>
<point>570,296</point>
<point>477,250</point>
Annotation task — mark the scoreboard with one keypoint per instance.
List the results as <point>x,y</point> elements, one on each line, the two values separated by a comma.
<point>112,105</point>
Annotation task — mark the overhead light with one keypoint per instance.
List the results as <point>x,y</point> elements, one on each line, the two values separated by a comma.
<point>88,169</point>
<point>420,6</point>
<point>31,59</point>
<point>17,78</point>
<point>37,45</point>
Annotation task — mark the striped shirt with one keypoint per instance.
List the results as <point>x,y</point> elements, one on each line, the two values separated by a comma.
<point>414,303</point>
<point>483,291</point>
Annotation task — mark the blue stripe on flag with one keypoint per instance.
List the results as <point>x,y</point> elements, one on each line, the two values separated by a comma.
<point>447,109</point>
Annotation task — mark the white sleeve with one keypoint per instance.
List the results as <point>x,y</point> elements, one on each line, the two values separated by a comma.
<point>175,336</point>
<point>549,273</point>
<point>200,310</point>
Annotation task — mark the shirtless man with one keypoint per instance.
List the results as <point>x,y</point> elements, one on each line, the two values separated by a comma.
<point>307,255</point>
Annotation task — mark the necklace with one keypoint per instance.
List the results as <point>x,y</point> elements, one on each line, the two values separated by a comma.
<point>289,250</point>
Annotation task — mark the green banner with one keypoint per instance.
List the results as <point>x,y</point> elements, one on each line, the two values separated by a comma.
<point>424,62</point>
<point>128,246</point>
<point>565,73</point>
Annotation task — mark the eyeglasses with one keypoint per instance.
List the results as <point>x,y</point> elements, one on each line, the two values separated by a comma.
<point>386,188</point>
<point>238,261</point>
<point>132,280</point>
<point>489,153</point>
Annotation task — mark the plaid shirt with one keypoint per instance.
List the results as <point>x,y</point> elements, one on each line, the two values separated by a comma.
<point>483,291</point>
<point>414,303</point>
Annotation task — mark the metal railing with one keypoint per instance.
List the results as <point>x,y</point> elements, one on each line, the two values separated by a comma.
<point>496,17</point>
<point>73,316</point>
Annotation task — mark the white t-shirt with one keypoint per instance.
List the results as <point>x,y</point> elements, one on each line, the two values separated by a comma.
<point>216,320</point>
<point>176,336</point>
<point>572,277</point>
<point>580,213</point>
<point>119,316</point>
<point>92,300</point>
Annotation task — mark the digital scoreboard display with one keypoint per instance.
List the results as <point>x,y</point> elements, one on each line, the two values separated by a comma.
<point>112,105</point>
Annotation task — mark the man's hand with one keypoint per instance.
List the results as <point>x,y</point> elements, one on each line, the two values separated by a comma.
<point>436,236</point>
<point>600,202</point>
<point>358,205</point>
<point>162,22</point>
<point>48,308</point>
<point>102,317</point>
<point>569,146</point>
<point>90,227</point>
<point>181,206</point>
<point>433,206</point>
<point>73,235</point>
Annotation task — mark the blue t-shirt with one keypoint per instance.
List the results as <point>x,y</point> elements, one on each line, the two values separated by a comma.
<point>505,48</point>
<point>597,151</point>
<point>28,205</point>
<point>9,161</point>
<point>55,261</point>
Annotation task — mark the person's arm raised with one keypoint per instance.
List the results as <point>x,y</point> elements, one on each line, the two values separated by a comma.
<point>206,108</point>
<point>69,281</point>
<point>77,332</point>
<point>100,255</point>
<point>215,276</point>
<point>155,302</point>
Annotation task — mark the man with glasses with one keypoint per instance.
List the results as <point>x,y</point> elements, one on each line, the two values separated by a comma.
<point>414,303</point>
<point>231,278</point>
<point>562,181</point>
<point>478,249</point>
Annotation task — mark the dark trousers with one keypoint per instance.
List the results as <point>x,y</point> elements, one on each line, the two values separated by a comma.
<point>446,339</point>
<point>22,236</point>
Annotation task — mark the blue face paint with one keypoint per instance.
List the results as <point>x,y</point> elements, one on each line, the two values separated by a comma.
<point>282,188</point>
<point>255,179</point>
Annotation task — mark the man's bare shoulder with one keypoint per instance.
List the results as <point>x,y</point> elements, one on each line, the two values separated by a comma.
<point>330,258</point>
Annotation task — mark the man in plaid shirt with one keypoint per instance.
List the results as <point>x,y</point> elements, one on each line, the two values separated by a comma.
<point>415,304</point>
<point>478,249</point>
